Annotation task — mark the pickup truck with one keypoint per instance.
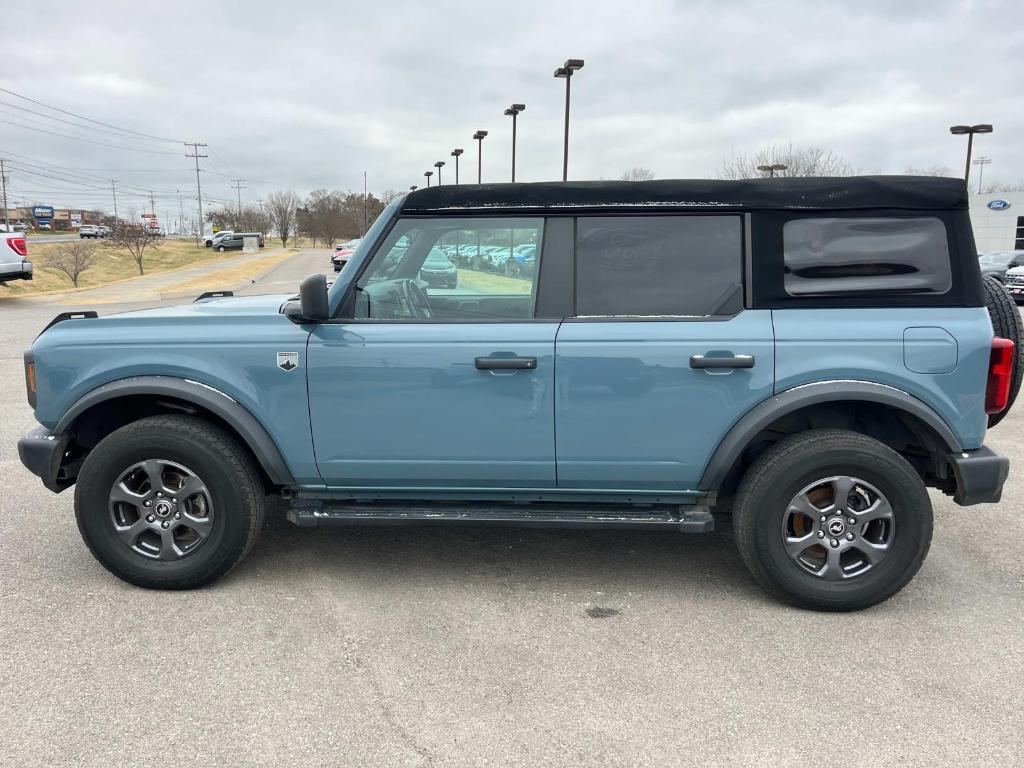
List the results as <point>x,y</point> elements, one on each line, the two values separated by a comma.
<point>14,263</point>
<point>807,356</point>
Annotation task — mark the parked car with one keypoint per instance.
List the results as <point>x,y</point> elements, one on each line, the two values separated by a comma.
<point>212,239</point>
<point>995,263</point>
<point>340,257</point>
<point>14,263</point>
<point>437,270</point>
<point>236,241</point>
<point>1014,281</point>
<point>89,231</point>
<point>103,230</point>
<point>777,357</point>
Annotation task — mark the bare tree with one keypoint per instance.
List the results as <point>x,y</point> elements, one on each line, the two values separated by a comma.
<point>799,161</point>
<point>281,207</point>
<point>1001,186</point>
<point>324,215</point>
<point>389,195</point>
<point>637,174</point>
<point>934,170</point>
<point>136,240</point>
<point>73,259</point>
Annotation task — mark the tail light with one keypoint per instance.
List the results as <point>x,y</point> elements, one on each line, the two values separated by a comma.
<point>18,245</point>
<point>1000,374</point>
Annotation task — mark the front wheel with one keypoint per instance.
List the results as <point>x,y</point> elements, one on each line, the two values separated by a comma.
<point>169,502</point>
<point>832,520</point>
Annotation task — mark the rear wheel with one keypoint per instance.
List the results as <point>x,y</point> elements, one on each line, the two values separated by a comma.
<point>1006,323</point>
<point>169,502</point>
<point>832,520</point>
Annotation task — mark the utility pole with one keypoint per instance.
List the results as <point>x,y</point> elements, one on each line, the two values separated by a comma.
<point>181,214</point>
<point>152,204</point>
<point>3,180</point>
<point>981,162</point>
<point>199,189</point>
<point>113,191</point>
<point>238,188</point>
<point>364,203</point>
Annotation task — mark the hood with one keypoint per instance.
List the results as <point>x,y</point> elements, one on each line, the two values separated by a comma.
<point>234,306</point>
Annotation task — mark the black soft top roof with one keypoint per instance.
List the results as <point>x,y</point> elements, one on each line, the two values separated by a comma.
<point>841,193</point>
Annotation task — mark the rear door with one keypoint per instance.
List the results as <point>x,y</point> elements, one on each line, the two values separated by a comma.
<point>661,357</point>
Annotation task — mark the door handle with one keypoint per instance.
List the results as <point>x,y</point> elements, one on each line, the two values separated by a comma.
<point>505,363</point>
<point>734,361</point>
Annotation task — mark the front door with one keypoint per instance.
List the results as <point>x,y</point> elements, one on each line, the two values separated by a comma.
<point>662,358</point>
<point>442,378</point>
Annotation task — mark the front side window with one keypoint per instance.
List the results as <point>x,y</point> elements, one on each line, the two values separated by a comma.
<point>453,269</point>
<point>857,256</point>
<point>650,266</point>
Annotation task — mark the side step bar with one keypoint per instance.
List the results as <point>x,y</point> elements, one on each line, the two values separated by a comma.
<point>686,519</point>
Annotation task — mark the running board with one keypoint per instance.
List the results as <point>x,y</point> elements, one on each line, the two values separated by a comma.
<point>686,519</point>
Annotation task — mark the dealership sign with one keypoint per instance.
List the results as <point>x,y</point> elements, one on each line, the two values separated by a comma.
<point>998,205</point>
<point>43,211</point>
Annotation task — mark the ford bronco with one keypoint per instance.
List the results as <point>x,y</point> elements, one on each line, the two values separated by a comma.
<point>807,355</point>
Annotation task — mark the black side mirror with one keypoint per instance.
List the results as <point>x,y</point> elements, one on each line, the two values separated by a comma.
<point>313,298</point>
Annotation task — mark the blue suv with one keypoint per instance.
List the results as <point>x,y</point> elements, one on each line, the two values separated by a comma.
<point>805,355</point>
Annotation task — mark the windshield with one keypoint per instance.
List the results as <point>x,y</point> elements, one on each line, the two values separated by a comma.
<point>365,242</point>
<point>997,258</point>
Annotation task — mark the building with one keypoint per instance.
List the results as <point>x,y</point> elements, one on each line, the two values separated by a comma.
<point>998,221</point>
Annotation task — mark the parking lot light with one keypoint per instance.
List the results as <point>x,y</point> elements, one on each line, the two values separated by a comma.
<point>479,136</point>
<point>455,153</point>
<point>514,111</point>
<point>565,71</point>
<point>969,130</point>
<point>771,169</point>
<point>413,188</point>
<point>439,164</point>
<point>428,174</point>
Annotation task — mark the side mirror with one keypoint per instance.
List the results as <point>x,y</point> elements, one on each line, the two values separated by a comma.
<point>313,298</point>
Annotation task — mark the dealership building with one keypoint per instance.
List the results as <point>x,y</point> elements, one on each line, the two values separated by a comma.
<point>998,221</point>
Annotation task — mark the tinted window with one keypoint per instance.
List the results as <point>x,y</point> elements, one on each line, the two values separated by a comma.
<point>657,265</point>
<point>828,256</point>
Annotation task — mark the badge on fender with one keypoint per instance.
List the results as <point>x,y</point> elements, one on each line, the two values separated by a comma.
<point>287,361</point>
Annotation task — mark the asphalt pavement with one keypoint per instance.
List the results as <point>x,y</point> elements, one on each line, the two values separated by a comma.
<point>503,647</point>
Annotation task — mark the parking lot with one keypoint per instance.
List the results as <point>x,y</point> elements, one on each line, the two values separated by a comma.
<point>479,646</point>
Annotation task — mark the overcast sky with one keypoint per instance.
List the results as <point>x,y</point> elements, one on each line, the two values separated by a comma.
<point>307,95</point>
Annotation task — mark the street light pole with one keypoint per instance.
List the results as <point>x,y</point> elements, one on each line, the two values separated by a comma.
<point>981,162</point>
<point>455,153</point>
<point>428,174</point>
<point>566,70</point>
<point>514,111</point>
<point>439,164</point>
<point>413,188</point>
<point>970,130</point>
<point>771,169</point>
<point>479,136</point>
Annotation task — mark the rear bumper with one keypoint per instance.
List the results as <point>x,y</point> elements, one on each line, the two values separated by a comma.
<point>16,270</point>
<point>42,454</point>
<point>979,475</point>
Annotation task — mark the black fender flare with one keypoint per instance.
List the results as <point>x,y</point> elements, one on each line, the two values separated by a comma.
<point>767,411</point>
<point>212,399</point>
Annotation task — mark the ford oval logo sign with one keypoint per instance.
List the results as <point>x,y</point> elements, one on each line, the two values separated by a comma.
<point>998,205</point>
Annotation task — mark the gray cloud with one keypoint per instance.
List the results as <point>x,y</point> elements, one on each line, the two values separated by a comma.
<point>307,95</point>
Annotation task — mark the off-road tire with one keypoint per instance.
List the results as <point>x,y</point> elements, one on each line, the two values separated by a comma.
<point>225,466</point>
<point>799,460</point>
<point>1006,323</point>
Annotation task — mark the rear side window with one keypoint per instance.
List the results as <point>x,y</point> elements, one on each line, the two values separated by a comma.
<point>857,256</point>
<point>652,266</point>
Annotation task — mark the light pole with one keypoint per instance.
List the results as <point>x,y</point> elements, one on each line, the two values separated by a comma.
<point>970,130</point>
<point>428,174</point>
<point>455,154</point>
<point>981,162</point>
<point>771,169</point>
<point>413,188</point>
<point>439,164</point>
<point>566,70</point>
<point>479,136</point>
<point>514,111</point>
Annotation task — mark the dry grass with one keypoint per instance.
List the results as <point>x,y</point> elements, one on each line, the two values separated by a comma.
<point>112,265</point>
<point>231,276</point>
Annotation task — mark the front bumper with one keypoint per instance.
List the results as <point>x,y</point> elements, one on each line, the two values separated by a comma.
<point>42,454</point>
<point>979,475</point>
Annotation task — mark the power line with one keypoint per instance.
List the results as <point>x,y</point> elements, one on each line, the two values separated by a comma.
<point>199,190</point>
<point>89,141</point>
<point>90,120</point>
